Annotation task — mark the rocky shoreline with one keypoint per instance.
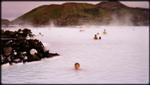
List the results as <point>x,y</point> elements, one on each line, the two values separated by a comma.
<point>20,47</point>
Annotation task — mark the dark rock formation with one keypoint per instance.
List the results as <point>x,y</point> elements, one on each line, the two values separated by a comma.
<point>15,47</point>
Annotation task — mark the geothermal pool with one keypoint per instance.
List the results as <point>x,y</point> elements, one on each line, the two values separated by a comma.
<point>121,56</point>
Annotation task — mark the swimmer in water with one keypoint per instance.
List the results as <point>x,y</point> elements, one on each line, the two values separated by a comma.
<point>77,66</point>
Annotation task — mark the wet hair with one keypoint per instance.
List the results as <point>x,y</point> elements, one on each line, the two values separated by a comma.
<point>77,66</point>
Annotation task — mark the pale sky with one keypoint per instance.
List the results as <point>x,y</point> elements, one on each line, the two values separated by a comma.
<point>14,9</point>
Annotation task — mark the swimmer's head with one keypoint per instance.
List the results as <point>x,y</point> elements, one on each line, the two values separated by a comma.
<point>77,66</point>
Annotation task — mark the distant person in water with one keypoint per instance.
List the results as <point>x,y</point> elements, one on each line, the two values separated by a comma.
<point>104,32</point>
<point>99,37</point>
<point>41,34</point>
<point>77,66</point>
<point>95,37</point>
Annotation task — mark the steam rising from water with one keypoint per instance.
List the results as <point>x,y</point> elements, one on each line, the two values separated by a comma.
<point>115,19</point>
<point>122,21</point>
